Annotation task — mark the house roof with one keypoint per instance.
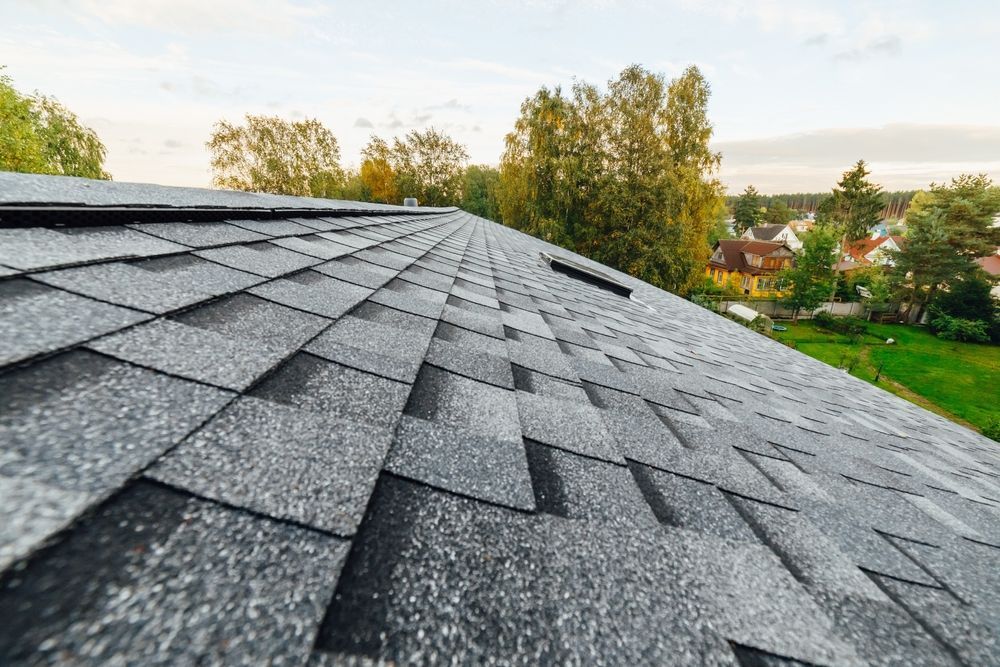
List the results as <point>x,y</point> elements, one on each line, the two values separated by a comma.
<point>402,436</point>
<point>733,258</point>
<point>766,232</point>
<point>858,249</point>
<point>990,264</point>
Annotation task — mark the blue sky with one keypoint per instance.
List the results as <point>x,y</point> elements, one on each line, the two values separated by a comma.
<point>800,89</point>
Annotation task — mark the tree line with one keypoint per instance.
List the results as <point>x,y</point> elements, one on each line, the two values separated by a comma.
<point>894,208</point>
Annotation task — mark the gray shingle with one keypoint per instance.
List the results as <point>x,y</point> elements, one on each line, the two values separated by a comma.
<point>36,248</point>
<point>314,246</point>
<point>624,596</point>
<point>465,405</point>
<point>579,488</point>
<point>569,425</point>
<point>199,234</point>
<point>383,349</point>
<point>252,319</point>
<point>156,577</point>
<point>355,271</point>
<point>264,259</point>
<point>471,363</point>
<point>489,469</point>
<point>313,292</point>
<point>310,383</point>
<point>231,362</point>
<point>35,319</point>
<point>75,427</point>
<point>283,462</point>
<point>155,285</point>
<point>272,227</point>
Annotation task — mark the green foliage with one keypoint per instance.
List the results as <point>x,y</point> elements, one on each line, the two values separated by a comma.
<point>746,210</point>
<point>968,298</point>
<point>874,279</point>
<point>992,429</point>
<point>958,328</point>
<point>778,213</point>
<point>430,166</point>
<point>948,227</point>
<point>624,177</point>
<point>269,154</point>
<point>377,177</point>
<point>807,284</point>
<point>39,135</point>
<point>855,204</point>
<point>480,191</point>
<point>849,326</point>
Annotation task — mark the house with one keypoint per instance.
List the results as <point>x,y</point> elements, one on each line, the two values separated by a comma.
<point>241,429</point>
<point>750,266</point>
<point>802,225</point>
<point>781,233</point>
<point>873,251</point>
<point>991,265</point>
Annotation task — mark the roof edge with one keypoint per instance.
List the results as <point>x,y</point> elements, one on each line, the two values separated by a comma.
<point>30,194</point>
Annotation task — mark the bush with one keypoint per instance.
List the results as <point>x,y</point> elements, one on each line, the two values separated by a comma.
<point>992,429</point>
<point>947,327</point>
<point>849,326</point>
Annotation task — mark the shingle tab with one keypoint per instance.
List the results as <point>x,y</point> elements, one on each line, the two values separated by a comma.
<point>472,465</point>
<point>154,285</point>
<point>264,259</point>
<point>283,462</point>
<point>313,292</point>
<point>38,248</point>
<point>36,319</point>
<point>158,577</point>
<point>77,426</point>
<point>310,383</point>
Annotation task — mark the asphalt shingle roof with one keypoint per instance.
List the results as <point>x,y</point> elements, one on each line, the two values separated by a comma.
<point>399,435</point>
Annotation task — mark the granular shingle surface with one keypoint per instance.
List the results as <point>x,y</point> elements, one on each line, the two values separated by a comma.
<point>365,434</point>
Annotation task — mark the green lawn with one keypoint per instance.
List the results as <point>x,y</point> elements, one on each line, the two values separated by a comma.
<point>960,380</point>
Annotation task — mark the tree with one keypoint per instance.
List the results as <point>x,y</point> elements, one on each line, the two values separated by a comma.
<point>42,136</point>
<point>854,206</point>
<point>376,173</point>
<point>269,154</point>
<point>778,213</point>
<point>746,212</point>
<point>625,177</point>
<point>947,229</point>
<point>430,166</point>
<point>969,298</point>
<point>479,191</point>
<point>809,282</point>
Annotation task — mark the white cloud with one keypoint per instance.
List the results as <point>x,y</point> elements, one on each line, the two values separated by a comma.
<point>265,17</point>
<point>902,156</point>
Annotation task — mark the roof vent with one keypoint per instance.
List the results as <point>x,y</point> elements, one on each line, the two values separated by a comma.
<point>586,274</point>
<point>410,201</point>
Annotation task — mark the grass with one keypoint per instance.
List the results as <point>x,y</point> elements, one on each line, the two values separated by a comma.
<point>960,381</point>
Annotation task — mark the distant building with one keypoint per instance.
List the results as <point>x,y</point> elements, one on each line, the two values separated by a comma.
<point>873,251</point>
<point>991,265</point>
<point>751,266</point>
<point>778,233</point>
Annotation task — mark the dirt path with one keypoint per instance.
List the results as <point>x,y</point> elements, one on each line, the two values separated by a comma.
<point>902,391</point>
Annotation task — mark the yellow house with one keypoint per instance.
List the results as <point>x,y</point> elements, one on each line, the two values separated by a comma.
<point>750,266</point>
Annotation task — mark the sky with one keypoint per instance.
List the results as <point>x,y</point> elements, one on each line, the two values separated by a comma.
<point>800,90</point>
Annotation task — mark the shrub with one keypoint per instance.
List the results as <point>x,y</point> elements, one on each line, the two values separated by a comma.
<point>992,429</point>
<point>947,327</point>
<point>849,326</point>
